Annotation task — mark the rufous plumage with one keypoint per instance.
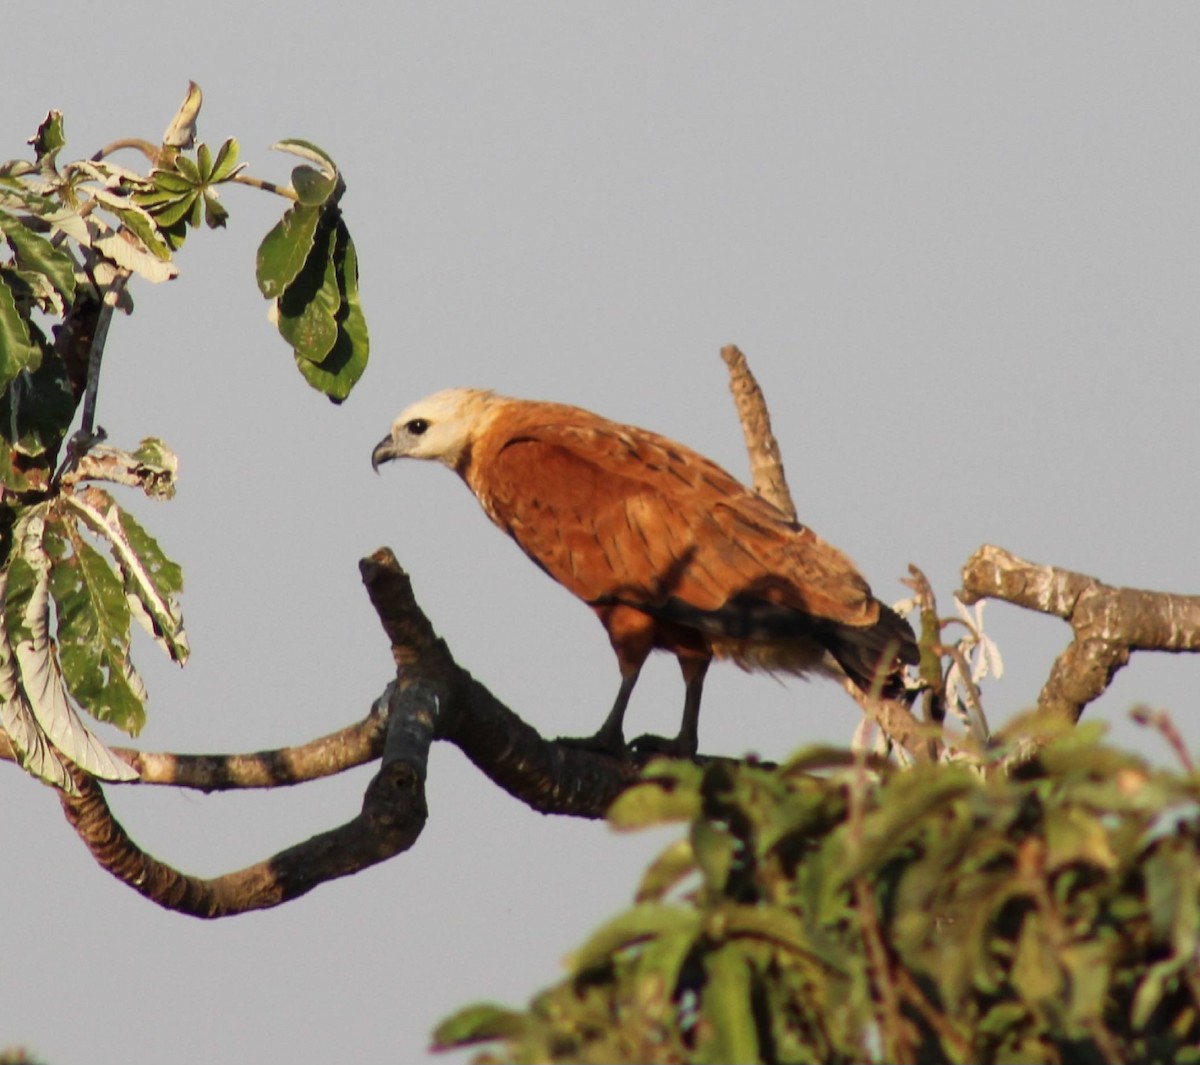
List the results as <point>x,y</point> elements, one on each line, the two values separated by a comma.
<point>670,551</point>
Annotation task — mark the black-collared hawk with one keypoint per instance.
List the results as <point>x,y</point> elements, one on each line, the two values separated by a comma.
<point>670,551</point>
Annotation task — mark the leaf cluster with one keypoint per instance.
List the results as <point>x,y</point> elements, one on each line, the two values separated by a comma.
<point>54,570</point>
<point>827,912</point>
<point>308,266</point>
<point>75,567</point>
<point>73,233</point>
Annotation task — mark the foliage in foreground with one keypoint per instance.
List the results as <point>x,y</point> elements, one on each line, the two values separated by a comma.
<point>819,912</point>
<point>75,567</point>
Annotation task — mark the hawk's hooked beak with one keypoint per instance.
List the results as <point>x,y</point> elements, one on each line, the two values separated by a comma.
<point>384,451</point>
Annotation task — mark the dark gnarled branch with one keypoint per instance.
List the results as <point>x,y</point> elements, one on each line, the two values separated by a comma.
<point>1107,622</point>
<point>432,698</point>
<point>548,776</point>
<point>393,814</point>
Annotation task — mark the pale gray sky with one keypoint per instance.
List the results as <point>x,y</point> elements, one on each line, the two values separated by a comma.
<point>958,243</point>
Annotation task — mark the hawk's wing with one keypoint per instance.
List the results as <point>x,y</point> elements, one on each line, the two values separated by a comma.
<point>617,514</point>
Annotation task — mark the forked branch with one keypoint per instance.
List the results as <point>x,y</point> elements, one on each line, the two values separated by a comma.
<point>1107,622</point>
<point>432,698</point>
<point>393,814</point>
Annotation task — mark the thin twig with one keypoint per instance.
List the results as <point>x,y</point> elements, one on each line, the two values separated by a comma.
<point>112,296</point>
<point>87,434</point>
<point>977,719</point>
<point>1161,720</point>
<point>286,191</point>
<point>935,1018</point>
<point>150,151</point>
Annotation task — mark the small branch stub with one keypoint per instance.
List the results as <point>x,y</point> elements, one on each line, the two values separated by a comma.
<point>766,466</point>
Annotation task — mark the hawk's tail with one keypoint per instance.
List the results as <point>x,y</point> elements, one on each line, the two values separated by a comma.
<point>876,654</point>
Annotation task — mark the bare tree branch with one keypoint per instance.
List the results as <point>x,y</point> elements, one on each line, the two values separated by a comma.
<point>766,466</point>
<point>1108,623</point>
<point>431,698</point>
<point>550,777</point>
<point>393,814</point>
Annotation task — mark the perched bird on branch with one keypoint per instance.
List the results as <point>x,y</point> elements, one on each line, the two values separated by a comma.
<point>670,551</point>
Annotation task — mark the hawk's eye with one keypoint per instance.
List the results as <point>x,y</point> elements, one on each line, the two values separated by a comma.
<point>417,426</point>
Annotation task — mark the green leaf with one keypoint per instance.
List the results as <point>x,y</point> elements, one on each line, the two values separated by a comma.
<point>171,181</point>
<point>153,581</point>
<point>1089,970</point>
<point>338,372</point>
<point>204,162</point>
<point>93,631</point>
<point>35,410</point>
<point>476,1024</point>
<point>312,186</point>
<point>146,229</point>
<point>19,590</point>
<point>1002,1018</point>
<point>188,170</point>
<point>16,168</point>
<point>165,576</point>
<point>1036,973</point>
<point>308,307</point>
<point>35,752</point>
<point>661,961</point>
<point>643,922</point>
<point>32,251</point>
<point>911,800</point>
<point>725,1003</point>
<point>1151,990</point>
<point>34,290</point>
<point>1171,898</point>
<point>176,210</point>
<point>135,257</point>
<point>1075,835</point>
<point>197,215</point>
<point>226,164</point>
<point>215,214</point>
<point>776,925</point>
<point>653,803</point>
<point>818,756</point>
<point>306,150</point>
<point>160,466</point>
<point>41,680</point>
<point>285,249</point>
<point>150,580</point>
<point>667,870</point>
<point>715,852</point>
<point>49,139</point>
<point>17,350</point>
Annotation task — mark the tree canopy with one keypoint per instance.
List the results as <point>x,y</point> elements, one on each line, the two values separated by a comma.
<point>941,892</point>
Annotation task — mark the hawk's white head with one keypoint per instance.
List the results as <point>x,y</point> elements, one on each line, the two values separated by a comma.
<point>438,427</point>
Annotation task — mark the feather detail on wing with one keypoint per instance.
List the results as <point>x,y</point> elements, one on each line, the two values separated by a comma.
<point>620,515</point>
